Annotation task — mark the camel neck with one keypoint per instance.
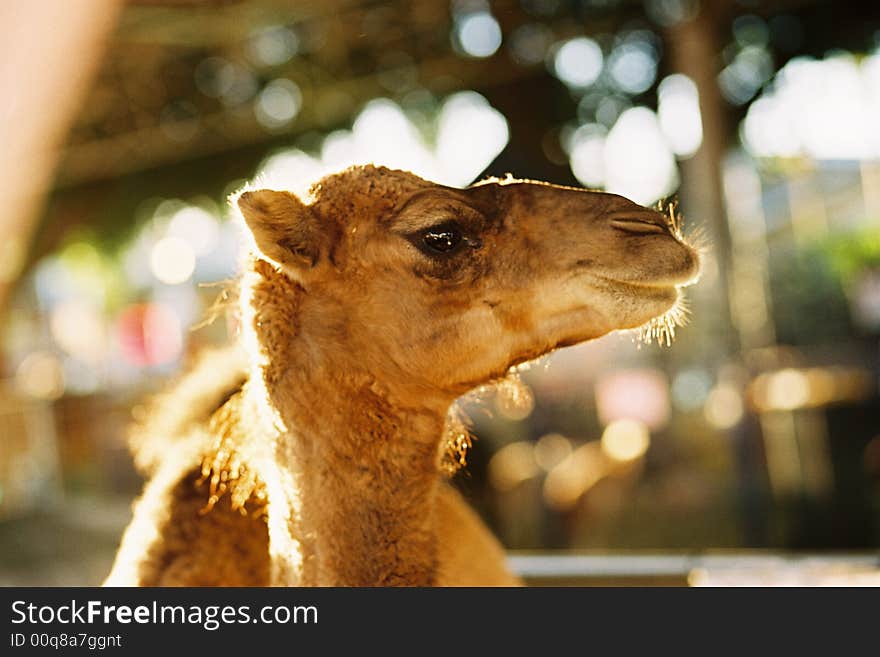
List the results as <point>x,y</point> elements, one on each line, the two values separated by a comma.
<point>365,478</point>
<point>361,472</point>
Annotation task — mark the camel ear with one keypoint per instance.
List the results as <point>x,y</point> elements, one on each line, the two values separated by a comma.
<point>284,229</point>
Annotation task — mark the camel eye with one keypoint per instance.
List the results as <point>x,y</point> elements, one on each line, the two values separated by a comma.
<point>442,239</point>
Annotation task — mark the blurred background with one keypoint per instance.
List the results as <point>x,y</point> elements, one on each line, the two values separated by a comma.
<point>746,451</point>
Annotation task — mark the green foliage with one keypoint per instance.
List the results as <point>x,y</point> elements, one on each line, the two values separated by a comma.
<point>810,285</point>
<point>809,304</point>
<point>852,253</point>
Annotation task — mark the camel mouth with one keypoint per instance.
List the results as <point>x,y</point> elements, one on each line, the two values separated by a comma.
<point>652,309</point>
<point>660,285</point>
<point>650,296</point>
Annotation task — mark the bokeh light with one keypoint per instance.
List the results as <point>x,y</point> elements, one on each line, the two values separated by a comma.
<point>634,159</point>
<point>633,65</point>
<point>573,476</point>
<point>278,103</point>
<point>273,45</point>
<point>78,328</point>
<point>667,13</point>
<point>750,30</point>
<point>469,134</point>
<point>478,34</point>
<point>678,109</point>
<point>172,260</point>
<point>788,389</point>
<point>197,227</point>
<point>587,154</point>
<point>610,108</point>
<point>227,81</point>
<point>744,76</point>
<point>790,118</point>
<point>512,465</point>
<point>638,162</point>
<point>578,62</point>
<point>724,406</point>
<point>626,440</point>
<point>690,388</point>
<point>551,450</point>
<point>214,76</point>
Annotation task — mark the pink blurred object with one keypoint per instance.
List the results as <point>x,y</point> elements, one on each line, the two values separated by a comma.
<point>149,334</point>
<point>640,394</point>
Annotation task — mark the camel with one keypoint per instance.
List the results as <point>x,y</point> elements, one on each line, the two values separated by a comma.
<point>313,452</point>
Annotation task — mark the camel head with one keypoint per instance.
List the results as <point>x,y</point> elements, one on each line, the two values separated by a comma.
<point>432,290</point>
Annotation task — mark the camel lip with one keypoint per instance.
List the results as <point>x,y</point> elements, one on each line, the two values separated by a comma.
<point>664,284</point>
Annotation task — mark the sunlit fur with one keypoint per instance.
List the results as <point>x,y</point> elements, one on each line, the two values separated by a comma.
<point>331,433</point>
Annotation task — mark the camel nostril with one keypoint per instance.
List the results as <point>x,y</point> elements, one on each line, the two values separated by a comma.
<point>640,225</point>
